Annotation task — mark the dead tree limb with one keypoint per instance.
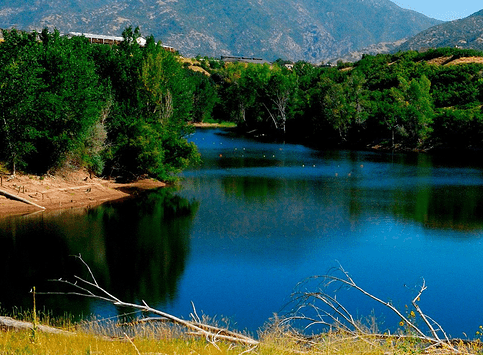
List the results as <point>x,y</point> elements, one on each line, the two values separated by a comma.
<point>324,309</point>
<point>92,289</point>
<point>7,323</point>
<point>18,198</point>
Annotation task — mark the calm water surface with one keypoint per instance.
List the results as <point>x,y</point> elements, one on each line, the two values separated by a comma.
<point>254,220</point>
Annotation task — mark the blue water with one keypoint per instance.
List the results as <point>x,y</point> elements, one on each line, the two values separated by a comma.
<point>271,215</point>
<point>255,219</point>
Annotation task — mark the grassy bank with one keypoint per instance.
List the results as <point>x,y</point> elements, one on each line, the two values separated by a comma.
<point>214,123</point>
<point>160,338</point>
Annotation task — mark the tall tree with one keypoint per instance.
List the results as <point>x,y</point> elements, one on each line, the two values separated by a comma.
<point>279,90</point>
<point>346,103</point>
<point>153,103</point>
<point>20,85</point>
<point>414,100</point>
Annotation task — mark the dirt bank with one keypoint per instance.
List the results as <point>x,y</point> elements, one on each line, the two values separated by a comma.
<point>65,190</point>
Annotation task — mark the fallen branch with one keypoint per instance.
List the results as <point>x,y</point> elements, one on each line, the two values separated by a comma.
<point>92,289</point>
<point>7,323</point>
<point>15,197</point>
<point>319,308</point>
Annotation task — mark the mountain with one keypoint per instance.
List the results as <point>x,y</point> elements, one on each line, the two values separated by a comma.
<point>311,30</point>
<point>373,49</point>
<point>466,33</point>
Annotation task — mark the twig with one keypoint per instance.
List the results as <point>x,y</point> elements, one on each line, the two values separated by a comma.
<point>194,315</point>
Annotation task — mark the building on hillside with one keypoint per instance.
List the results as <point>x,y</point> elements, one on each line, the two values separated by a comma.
<point>103,39</point>
<point>112,40</point>
<point>243,59</point>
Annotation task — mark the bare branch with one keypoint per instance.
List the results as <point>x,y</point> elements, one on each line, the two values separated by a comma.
<point>194,315</point>
<point>331,313</point>
<point>90,289</point>
<point>79,257</point>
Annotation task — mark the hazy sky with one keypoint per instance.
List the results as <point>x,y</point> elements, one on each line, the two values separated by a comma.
<point>445,10</point>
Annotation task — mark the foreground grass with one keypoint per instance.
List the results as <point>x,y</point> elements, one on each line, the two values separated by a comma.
<point>164,339</point>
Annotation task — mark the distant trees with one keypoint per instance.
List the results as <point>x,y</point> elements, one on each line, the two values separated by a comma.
<point>257,95</point>
<point>384,99</point>
<point>122,108</point>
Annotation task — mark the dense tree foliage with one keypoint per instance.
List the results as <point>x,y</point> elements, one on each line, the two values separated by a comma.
<point>124,109</point>
<point>409,100</point>
<point>114,109</point>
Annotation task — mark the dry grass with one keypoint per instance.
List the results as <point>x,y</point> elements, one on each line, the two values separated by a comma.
<point>111,338</point>
<point>157,338</point>
<point>466,60</point>
<point>450,61</point>
<point>439,60</point>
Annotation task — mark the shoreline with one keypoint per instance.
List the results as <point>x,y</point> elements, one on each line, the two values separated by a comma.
<point>64,191</point>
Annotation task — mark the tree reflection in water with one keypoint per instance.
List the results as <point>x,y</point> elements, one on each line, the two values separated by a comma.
<point>136,248</point>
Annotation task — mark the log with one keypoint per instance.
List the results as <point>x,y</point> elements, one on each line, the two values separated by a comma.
<point>15,197</point>
<point>9,324</point>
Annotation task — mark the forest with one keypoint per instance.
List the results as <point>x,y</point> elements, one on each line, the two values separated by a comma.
<point>126,110</point>
<point>407,101</point>
<point>116,110</point>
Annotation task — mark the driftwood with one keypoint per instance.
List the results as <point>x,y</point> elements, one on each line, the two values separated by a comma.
<point>15,197</point>
<point>7,323</point>
<point>92,289</point>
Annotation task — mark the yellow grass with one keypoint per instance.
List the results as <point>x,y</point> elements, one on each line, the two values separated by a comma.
<point>164,339</point>
<point>108,337</point>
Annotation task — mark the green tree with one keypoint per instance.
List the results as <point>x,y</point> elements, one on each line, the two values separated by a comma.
<point>414,100</point>
<point>278,91</point>
<point>236,94</point>
<point>153,102</point>
<point>20,84</point>
<point>71,102</point>
<point>346,104</point>
<point>205,96</point>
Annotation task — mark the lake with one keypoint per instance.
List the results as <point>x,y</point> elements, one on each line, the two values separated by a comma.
<point>254,220</point>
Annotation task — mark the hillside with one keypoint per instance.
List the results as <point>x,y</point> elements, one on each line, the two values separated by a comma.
<point>297,30</point>
<point>466,33</point>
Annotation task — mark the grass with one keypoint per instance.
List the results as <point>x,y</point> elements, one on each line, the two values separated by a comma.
<point>217,123</point>
<point>3,169</point>
<point>98,337</point>
<point>107,336</point>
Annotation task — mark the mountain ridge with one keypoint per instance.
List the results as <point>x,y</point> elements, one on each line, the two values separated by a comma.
<point>466,33</point>
<point>308,30</point>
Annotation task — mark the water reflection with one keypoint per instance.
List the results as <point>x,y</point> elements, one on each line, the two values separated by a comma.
<point>137,249</point>
<point>272,214</point>
<point>455,207</point>
<point>435,191</point>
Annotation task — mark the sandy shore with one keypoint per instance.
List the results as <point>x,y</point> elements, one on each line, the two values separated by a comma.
<point>64,191</point>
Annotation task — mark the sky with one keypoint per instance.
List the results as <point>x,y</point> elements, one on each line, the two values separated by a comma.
<point>446,10</point>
